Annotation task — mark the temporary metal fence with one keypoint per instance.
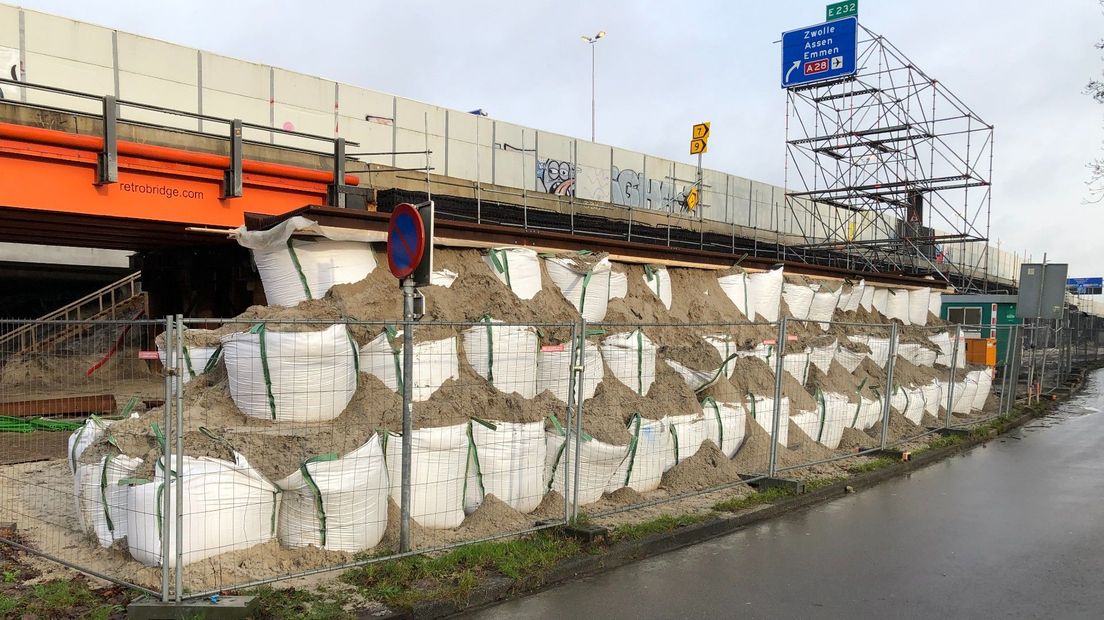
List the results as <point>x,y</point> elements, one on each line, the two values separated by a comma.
<point>221,454</point>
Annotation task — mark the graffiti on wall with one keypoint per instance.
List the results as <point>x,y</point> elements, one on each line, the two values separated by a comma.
<point>555,176</point>
<point>592,183</point>
<point>629,188</point>
<point>9,69</point>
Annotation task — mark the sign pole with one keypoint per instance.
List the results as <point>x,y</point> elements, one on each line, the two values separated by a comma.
<point>407,419</point>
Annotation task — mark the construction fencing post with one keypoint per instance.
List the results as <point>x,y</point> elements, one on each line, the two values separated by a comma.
<point>780,347</point>
<point>166,449</point>
<point>951,379</point>
<point>178,411</point>
<point>577,369</point>
<point>891,358</point>
<point>574,397</point>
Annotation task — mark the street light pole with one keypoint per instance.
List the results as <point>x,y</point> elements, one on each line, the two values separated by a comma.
<point>591,41</point>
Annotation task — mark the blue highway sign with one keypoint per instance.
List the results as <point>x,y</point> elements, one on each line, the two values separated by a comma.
<point>1085,286</point>
<point>405,240</point>
<point>822,52</point>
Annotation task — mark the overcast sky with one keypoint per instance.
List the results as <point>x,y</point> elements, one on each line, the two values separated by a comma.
<point>1019,65</point>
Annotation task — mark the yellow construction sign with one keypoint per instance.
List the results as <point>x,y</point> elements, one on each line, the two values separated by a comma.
<point>699,138</point>
<point>692,199</point>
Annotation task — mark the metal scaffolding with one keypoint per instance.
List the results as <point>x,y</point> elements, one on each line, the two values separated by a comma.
<point>891,168</point>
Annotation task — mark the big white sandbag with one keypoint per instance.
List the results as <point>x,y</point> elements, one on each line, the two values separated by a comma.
<point>197,360</point>
<point>736,287</point>
<point>92,429</point>
<point>799,299</point>
<point>597,463</point>
<point>935,303</point>
<point>587,290</point>
<point>964,394</point>
<point>443,277</point>
<point>291,376</point>
<point>797,365</point>
<point>762,410</point>
<point>823,306</point>
<point>866,301</point>
<point>336,503</point>
<point>658,282</point>
<point>933,397</point>
<point>435,362</point>
<point>909,402</point>
<point>726,424</point>
<point>849,359</point>
<point>102,501</point>
<point>765,288</point>
<point>880,300</point>
<point>227,506</point>
<point>507,460</point>
<point>853,301</point>
<point>897,306</point>
<point>554,366</point>
<point>909,350</point>
<point>631,358</point>
<point>822,357</point>
<point>727,348</point>
<point>984,381</point>
<point>697,380</point>
<point>926,357</point>
<point>947,355</point>
<point>647,456</point>
<point>517,268</point>
<point>504,355</point>
<point>879,348</point>
<point>687,434</point>
<point>618,285</point>
<point>438,473</point>
<point>919,301</point>
<point>825,424</point>
<point>865,413</point>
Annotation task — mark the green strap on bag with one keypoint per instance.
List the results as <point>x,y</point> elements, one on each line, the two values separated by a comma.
<point>319,506</point>
<point>632,446</point>
<point>501,261</point>
<point>709,402</point>
<point>639,362</point>
<point>486,318</point>
<point>261,332</point>
<point>298,268</point>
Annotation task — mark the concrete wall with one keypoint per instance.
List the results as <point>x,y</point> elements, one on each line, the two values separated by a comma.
<point>62,52</point>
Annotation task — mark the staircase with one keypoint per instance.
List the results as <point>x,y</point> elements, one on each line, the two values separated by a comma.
<point>46,332</point>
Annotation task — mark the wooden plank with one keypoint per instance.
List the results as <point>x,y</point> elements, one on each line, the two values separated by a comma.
<point>101,403</point>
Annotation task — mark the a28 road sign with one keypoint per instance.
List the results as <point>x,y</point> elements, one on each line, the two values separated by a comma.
<point>822,52</point>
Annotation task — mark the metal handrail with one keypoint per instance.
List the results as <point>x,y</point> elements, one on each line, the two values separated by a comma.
<point>130,283</point>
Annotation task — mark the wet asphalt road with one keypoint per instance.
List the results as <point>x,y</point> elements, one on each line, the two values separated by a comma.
<point>1011,530</point>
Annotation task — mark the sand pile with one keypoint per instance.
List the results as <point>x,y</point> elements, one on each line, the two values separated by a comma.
<point>754,454</point>
<point>854,438</point>
<point>493,517</point>
<point>752,375</point>
<point>708,467</point>
<point>908,374</point>
<point>551,507</point>
<point>606,416</point>
<point>802,449</point>
<point>836,380</point>
<point>899,428</point>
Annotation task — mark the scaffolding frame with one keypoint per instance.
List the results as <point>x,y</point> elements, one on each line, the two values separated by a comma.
<point>892,168</point>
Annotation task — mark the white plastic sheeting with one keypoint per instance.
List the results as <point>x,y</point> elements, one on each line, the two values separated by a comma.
<point>933,397</point>
<point>919,300</point>
<point>504,355</point>
<point>865,413</point>
<point>658,282</point>
<point>554,370</point>
<point>517,268</point>
<point>736,287</point>
<point>726,424</point>
<point>880,300</point>
<point>435,362</point>
<point>687,434</point>
<point>507,460</point>
<point>336,503</point>
<point>822,357</point>
<point>825,424</point>
<point>588,291</point>
<point>102,501</point>
<point>444,277</point>
<point>646,458</point>
<point>438,473</point>
<point>823,306</point>
<point>765,292</point>
<point>849,359</point>
<point>227,506</point>
<point>597,463</point>
<point>631,358</point>
<point>984,382</point>
<point>897,306</point>
<point>762,411</point>
<point>799,299</point>
<point>295,270</point>
<point>291,376</point>
<point>698,380</point>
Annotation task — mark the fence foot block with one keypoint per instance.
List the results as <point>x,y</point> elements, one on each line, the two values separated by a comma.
<point>587,533</point>
<point>794,486</point>
<point>227,608</point>
<point>948,432</point>
<point>892,453</point>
